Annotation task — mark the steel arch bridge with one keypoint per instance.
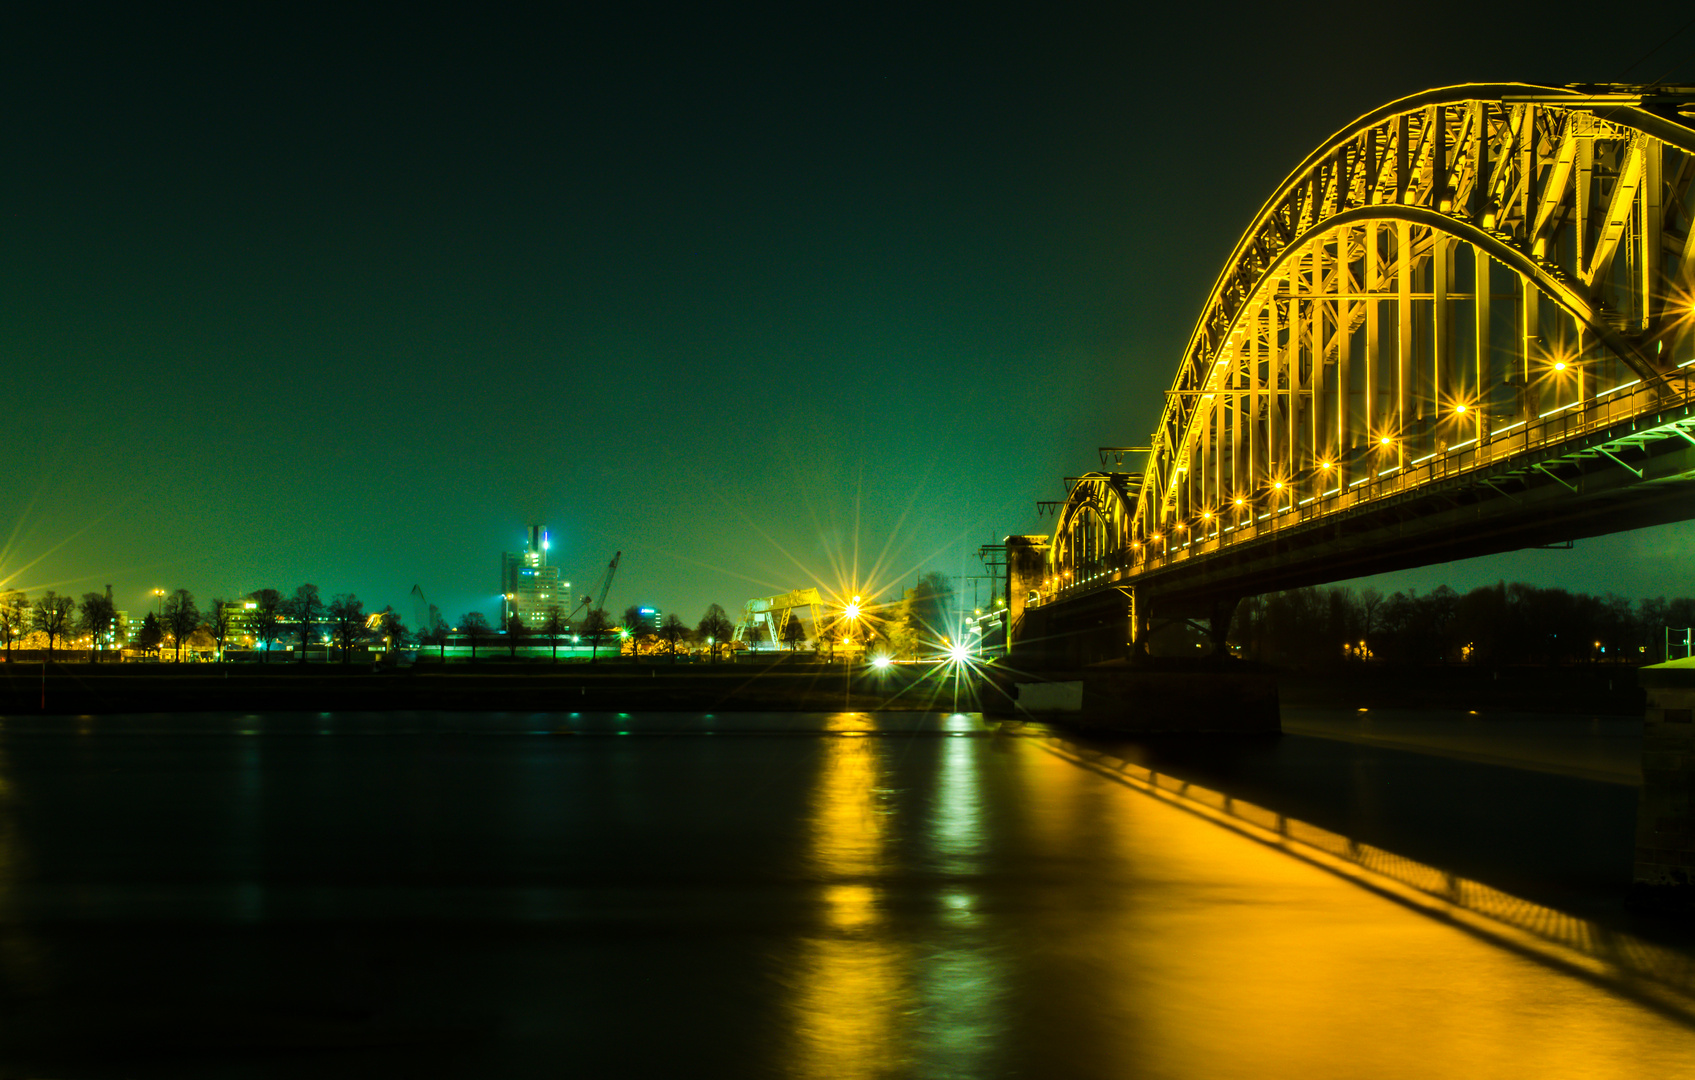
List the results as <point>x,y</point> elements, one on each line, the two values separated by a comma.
<point>1464,324</point>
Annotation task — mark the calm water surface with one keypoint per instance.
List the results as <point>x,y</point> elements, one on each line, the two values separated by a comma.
<point>682,895</point>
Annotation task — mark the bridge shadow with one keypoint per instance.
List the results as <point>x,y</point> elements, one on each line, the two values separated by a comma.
<point>1658,975</point>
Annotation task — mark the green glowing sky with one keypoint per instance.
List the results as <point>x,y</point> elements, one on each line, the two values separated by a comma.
<point>351,300</point>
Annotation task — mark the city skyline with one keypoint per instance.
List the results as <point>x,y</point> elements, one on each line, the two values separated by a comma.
<point>757,302</point>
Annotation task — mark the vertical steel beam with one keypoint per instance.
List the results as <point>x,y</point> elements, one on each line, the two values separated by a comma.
<point>1369,420</point>
<point>1529,345</point>
<point>1528,170</point>
<point>1273,387</point>
<point>1653,222</point>
<point>1255,345</point>
<point>1441,351</point>
<point>1314,396</point>
<point>1479,160</point>
<point>1221,418</point>
<point>1585,176</point>
<point>1238,382</point>
<point>1345,287</point>
<point>1440,196</point>
<point>1403,336</point>
<point>1292,373</point>
<point>1484,369</point>
<point>1403,135</point>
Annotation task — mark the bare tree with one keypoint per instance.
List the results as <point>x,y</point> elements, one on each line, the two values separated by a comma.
<point>595,626</point>
<point>1370,600</point>
<point>218,624</point>
<point>181,618</point>
<point>673,630</point>
<point>436,633</point>
<point>793,633</point>
<point>347,622</point>
<point>97,617</point>
<point>475,629</point>
<point>753,633</point>
<point>303,609</point>
<point>51,615</point>
<point>516,631</point>
<point>553,626</point>
<point>266,605</point>
<point>14,620</point>
<point>715,628</point>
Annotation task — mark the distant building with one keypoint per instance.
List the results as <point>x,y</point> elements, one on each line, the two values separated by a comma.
<point>243,618</point>
<point>648,620</point>
<point>530,587</point>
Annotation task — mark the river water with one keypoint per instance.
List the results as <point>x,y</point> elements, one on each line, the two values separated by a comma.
<point>815,895</point>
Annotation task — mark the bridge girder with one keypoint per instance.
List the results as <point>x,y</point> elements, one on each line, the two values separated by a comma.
<point>1465,278</point>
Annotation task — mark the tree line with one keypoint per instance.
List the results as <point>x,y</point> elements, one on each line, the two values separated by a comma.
<point>1493,625</point>
<point>273,618</point>
<point>302,618</point>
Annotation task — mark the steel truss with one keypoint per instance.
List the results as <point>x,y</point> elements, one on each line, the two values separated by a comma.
<point>1465,276</point>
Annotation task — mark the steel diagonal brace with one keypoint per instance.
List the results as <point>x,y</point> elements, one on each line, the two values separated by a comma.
<point>1549,472</point>
<point>1621,461</point>
<point>1497,487</point>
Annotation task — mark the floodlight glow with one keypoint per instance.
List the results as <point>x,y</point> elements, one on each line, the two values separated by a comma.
<point>880,662</point>
<point>958,653</point>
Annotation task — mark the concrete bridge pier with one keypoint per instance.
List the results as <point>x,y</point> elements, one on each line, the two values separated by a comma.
<point>1211,615</point>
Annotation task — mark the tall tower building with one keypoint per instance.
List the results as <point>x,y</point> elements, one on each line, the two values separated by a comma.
<point>531,587</point>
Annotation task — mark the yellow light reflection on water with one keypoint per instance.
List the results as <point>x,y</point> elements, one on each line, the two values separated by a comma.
<point>848,977</point>
<point>1192,950</point>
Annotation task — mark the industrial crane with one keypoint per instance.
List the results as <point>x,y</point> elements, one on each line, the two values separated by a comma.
<point>600,604</point>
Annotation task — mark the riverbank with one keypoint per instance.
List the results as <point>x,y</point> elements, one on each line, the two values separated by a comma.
<point>781,684</point>
<point>491,687</point>
<point>1601,689</point>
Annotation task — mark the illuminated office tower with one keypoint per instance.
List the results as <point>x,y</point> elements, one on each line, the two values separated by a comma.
<point>529,586</point>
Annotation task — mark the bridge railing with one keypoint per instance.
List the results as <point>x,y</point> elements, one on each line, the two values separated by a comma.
<point>1552,429</point>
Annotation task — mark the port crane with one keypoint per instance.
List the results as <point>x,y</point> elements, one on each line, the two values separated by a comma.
<point>599,604</point>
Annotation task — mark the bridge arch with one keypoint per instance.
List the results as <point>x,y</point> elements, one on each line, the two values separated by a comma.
<point>1464,324</point>
<point>1093,527</point>
<point>1434,283</point>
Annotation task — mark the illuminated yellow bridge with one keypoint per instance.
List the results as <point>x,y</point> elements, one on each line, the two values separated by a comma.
<point>1464,324</point>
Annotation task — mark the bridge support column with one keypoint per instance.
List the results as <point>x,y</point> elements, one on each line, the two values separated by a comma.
<point>1218,624</point>
<point>1665,818</point>
<point>1141,620</point>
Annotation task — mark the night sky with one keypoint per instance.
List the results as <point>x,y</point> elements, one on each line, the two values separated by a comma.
<point>352,299</point>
